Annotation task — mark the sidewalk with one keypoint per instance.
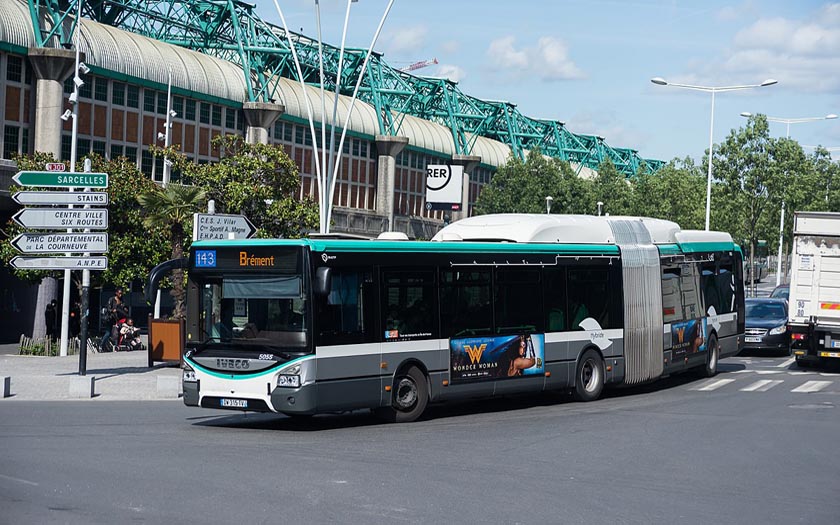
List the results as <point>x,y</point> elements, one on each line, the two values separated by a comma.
<point>117,376</point>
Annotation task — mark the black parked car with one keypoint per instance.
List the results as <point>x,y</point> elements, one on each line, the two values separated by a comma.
<point>766,326</point>
<point>781,292</point>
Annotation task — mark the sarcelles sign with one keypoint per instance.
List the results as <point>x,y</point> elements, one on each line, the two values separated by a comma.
<point>444,187</point>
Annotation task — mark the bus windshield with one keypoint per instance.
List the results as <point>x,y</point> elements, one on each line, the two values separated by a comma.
<point>255,310</point>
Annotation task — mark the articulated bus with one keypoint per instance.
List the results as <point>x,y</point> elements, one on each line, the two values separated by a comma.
<point>492,305</point>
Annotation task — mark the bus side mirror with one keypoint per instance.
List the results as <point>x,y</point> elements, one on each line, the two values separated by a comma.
<point>322,281</point>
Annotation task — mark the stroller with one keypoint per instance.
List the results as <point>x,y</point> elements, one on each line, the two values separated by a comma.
<point>128,337</point>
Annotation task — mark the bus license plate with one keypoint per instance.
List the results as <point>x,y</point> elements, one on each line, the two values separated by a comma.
<point>829,354</point>
<point>752,339</point>
<point>234,403</point>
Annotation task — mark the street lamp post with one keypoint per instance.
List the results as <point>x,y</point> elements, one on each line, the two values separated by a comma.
<point>788,122</point>
<point>659,81</point>
<point>548,201</point>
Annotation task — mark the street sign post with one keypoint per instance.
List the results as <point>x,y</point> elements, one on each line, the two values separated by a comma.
<point>61,242</point>
<point>96,262</point>
<point>207,226</point>
<point>73,198</point>
<point>57,179</point>
<point>61,218</point>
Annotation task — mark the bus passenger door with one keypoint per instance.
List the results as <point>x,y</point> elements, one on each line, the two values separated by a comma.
<point>348,348</point>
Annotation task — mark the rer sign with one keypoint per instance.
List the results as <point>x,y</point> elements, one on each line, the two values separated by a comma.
<point>444,186</point>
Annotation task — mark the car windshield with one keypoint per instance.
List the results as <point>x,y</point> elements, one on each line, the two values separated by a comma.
<point>766,311</point>
<point>780,293</point>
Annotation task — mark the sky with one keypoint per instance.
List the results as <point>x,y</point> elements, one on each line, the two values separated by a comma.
<point>589,63</point>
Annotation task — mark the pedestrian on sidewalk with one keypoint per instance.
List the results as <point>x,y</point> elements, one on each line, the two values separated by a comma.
<point>116,314</point>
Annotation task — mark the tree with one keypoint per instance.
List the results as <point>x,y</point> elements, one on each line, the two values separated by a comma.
<point>170,209</point>
<point>522,187</point>
<point>613,190</point>
<point>259,181</point>
<point>677,192</point>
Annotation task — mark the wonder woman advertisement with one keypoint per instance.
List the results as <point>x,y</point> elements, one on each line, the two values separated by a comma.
<point>485,358</point>
<point>688,337</point>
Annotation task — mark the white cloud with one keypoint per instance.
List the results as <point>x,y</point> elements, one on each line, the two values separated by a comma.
<point>450,71</point>
<point>549,59</point>
<point>406,39</point>
<point>802,54</point>
<point>609,125</point>
<point>450,46</point>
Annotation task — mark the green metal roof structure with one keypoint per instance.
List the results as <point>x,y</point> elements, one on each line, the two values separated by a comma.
<point>232,30</point>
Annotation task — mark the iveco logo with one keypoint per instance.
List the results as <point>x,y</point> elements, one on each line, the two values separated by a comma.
<point>234,364</point>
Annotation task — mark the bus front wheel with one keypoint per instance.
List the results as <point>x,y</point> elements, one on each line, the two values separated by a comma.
<point>589,377</point>
<point>409,396</point>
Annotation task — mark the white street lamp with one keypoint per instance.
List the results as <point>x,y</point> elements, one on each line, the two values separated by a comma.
<point>548,201</point>
<point>659,81</point>
<point>788,122</point>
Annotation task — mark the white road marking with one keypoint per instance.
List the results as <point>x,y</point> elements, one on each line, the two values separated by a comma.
<point>25,482</point>
<point>713,385</point>
<point>811,386</point>
<point>762,385</point>
<point>787,363</point>
<point>768,372</point>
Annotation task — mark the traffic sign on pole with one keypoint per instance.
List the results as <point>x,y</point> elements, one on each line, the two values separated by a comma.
<point>96,262</point>
<point>61,242</point>
<point>56,179</point>
<point>75,198</point>
<point>62,218</point>
<point>209,226</point>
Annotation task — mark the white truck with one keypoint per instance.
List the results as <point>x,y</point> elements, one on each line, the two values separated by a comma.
<point>814,311</point>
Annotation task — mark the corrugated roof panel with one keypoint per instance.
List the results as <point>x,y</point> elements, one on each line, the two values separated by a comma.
<point>15,24</point>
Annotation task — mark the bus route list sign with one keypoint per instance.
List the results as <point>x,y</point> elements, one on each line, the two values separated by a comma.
<point>444,187</point>
<point>214,227</point>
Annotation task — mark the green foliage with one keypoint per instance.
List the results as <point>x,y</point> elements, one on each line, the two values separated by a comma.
<point>676,193</point>
<point>256,180</point>
<point>132,250</point>
<point>168,211</point>
<point>613,190</point>
<point>522,187</point>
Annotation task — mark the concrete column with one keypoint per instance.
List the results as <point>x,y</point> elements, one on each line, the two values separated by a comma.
<point>52,67</point>
<point>388,148</point>
<point>260,116</point>
<point>469,162</point>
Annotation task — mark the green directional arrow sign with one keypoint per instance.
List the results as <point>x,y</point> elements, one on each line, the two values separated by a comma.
<point>57,179</point>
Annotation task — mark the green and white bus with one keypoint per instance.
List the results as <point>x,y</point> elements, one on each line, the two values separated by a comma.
<point>493,305</point>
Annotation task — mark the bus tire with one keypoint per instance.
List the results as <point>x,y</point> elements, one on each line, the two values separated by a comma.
<point>409,396</point>
<point>589,376</point>
<point>712,357</point>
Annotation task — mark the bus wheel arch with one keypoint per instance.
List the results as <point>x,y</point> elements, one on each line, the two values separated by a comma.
<point>590,375</point>
<point>409,394</point>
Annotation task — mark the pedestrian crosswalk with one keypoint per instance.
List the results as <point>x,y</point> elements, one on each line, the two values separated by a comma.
<point>747,381</point>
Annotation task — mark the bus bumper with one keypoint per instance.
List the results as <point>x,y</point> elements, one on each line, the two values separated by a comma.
<point>297,401</point>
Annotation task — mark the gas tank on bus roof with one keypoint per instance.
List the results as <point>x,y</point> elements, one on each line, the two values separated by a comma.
<point>574,229</point>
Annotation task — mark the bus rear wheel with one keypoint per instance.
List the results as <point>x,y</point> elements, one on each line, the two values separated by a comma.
<point>589,377</point>
<point>409,396</point>
<point>713,349</point>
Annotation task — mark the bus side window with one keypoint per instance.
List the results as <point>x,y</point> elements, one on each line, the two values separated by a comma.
<point>409,304</point>
<point>465,303</point>
<point>346,314</point>
<point>554,292</point>
<point>518,302</point>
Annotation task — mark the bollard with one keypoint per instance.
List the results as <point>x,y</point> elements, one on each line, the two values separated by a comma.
<point>82,387</point>
<point>7,387</point>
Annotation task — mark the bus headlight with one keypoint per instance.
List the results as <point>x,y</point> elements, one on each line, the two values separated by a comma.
<point>289,377</point>
<point>189,374</point>
<point>778,330</point>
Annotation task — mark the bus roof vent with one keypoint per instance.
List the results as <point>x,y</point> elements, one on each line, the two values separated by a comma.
<point>392,236</point>
<point>447,237</point>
